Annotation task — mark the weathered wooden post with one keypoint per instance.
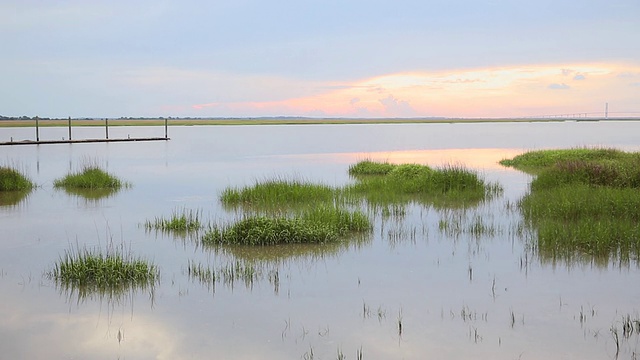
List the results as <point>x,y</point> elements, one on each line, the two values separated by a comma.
<point>106,128</point>
<point>69,127</point>
<point>37,130</point>
<point>166,133</point>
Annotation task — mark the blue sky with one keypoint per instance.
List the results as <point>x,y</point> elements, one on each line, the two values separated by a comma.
<point>318,58</point>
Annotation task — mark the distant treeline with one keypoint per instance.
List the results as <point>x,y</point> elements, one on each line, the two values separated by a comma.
<point>82,118</point>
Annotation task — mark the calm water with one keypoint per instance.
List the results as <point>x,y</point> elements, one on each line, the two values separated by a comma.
<point>458,296</point>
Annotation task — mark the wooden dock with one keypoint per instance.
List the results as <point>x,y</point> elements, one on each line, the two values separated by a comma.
<point>70,140</point>
<point>81,141</point>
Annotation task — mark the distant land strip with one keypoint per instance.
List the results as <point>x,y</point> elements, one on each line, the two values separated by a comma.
<point>272,121</point>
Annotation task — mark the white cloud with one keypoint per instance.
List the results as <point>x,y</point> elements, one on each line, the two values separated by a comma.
<point>579,77</point>
<point>566,72</point>
<point>397,107</point>
<point>562,86</point>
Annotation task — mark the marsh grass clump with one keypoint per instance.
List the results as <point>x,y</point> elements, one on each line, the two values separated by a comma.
<point>318,226</point>
<point>406,172</point>
<point>278,192</point>
<point>412,182</point>
<point>618,174</point>
<point>13,180</point>
<point>587,220</point>
<point>183,220</point>
<point>102,271</point>
<point>534,161</point>
<point>341,220</point>
<point>91,177</point>
<point>370,167</point>
<point>586,204</point>
<point>263,231</point>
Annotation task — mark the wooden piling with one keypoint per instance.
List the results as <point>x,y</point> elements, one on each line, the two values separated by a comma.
<point>37,130</point>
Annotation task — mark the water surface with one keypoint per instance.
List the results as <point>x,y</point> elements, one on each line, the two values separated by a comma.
<point>457,295</point>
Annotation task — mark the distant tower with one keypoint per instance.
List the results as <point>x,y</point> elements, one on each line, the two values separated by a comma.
<point>606,110</point>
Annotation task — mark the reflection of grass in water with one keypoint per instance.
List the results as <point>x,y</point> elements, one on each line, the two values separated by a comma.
<point>245,272</point>
<point>105,273</point>
<point>10,198</point>
<point>92,194</point>
<point>456,223</point>
<point>278,254</point>
<point>622,331</point>
<point>113,294</point>
<point>584,204</point>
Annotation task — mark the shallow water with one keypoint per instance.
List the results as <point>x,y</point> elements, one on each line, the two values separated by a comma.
<point>457,295</point>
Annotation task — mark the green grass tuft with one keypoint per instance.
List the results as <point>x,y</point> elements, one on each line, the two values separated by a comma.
<point>587,203</point>
<point>13,180</point>
<point>534,161</point>
<point>269,231</point>
<point>369,167</point>
<point>90,178</point>
<point>181,220</point>
<point>98,270</point>
<point>277,192</point>
<point>316,226</point>
<point>411,182</point>
<point>619,174</point>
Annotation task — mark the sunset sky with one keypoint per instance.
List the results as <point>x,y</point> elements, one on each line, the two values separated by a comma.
<point>371,59</point>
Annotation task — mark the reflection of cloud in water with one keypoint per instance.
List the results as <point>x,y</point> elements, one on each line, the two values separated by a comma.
<point>81,335</point>
<point>473,158</point>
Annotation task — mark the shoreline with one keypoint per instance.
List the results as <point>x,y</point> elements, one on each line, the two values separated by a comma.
<point>276,121</point>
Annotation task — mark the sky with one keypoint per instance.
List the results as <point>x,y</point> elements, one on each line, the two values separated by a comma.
<point>312,58</point>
